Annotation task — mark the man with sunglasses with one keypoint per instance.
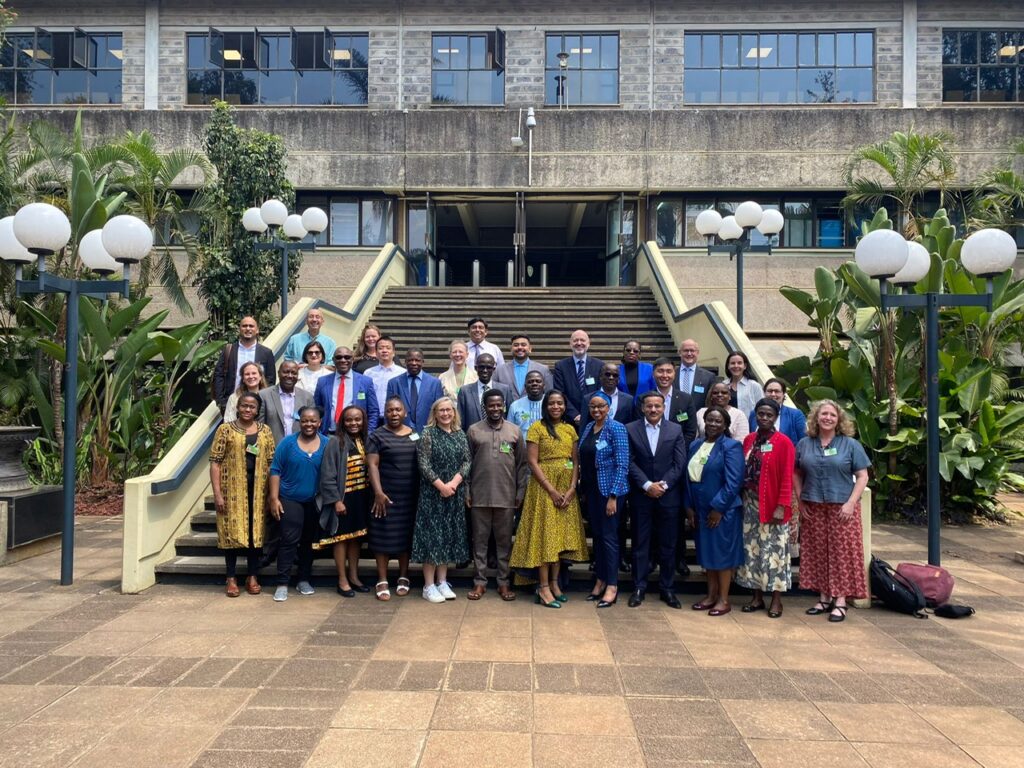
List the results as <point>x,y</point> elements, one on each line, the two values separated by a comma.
<point>622,408</point>
<point>345,388</point>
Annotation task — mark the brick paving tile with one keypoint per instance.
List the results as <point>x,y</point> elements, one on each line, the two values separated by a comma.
<point>468,676</point>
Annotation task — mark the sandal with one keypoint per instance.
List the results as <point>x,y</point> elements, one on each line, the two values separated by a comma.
<point>382,594</point>
<point>403,586</point>
<point>818,608</point>
<point>837,617</point>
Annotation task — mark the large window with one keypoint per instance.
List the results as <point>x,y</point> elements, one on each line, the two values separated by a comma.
<point>982,65</point>
<point>581,69</point>
<point>779,67</point>
<point>278,68</point>
<point>468,68</point>
<point>352,219</point>
<point>43,67</point>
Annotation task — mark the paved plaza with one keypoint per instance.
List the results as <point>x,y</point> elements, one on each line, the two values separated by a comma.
<point>181,675</point>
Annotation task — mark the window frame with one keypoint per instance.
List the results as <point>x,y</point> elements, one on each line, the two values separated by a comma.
<point>553,67</point>
<point>977,67</point>
<point>324,200</point>
<point>83,49</point>
<point>494,53</point>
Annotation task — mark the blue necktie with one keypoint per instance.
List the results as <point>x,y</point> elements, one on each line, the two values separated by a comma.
<point>414,395</point>
<point>580,375</point>
<point>687,381</point>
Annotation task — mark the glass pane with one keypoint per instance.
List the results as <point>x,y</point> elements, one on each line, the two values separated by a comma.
<point>312,86</point>
<point>241,87</point>
<point>769,50</point>
<point>865,49</point>
<point>480,87</point>
<point>34,85</point>
<point>778,86</point>
<point>808,58</point>
<point>855,85</point>
<point>988,48</point>
<point>477,52</point>
<point>6,53</point>
<point>950,48</point>
<point>669,217</point>
<point>996,83</point>
<point>551,82</point>
<point>756,238</point>
<point>278,87</point>
<point>609,51</point>
<point>196,51</point>
<point>7,86</point>
<point>702,86</point>
<point>968,47</point>
<point>799,224</point>
<point>693,208</point>
<point>497,87</point>
<point>203,86</point>
<point>691,51</point>
<point>959,83</point>
<point>826,50</point>
<point>554,47</point>
<point>730,50</point>
<point>600,87</point>
<point>105,87</point>
<point>845,49</point>
<point>749,53</point>
<point>739,86</point>
<point>42,56</point>
<point>572,87</point>
<point>1020,84</point>
<point>62,48</point>
<point>816,86</point>
<point>360,51</point>
<point>449,87</point>
<point>344,222</point>
<point>70,86</point>
<point>377,222</point>
<point>573,45</point>
<point>19,44</point>
<point>350,86</point>
<point>830,227</point>
<point>590,54</point>
<point>787,50</point>
<point>442,52</point>
<point>710,57</point>
<point>1008,47</point>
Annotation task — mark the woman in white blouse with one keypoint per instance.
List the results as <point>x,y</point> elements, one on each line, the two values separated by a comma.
<point>744,392</point>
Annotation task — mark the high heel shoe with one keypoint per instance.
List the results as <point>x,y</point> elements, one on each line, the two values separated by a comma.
<point>562,598</point>
<point>608,603</point>
<point>540,600</point>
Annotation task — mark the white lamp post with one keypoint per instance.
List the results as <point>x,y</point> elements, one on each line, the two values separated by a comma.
<point>885,255</point>
<point>734,232</point>
<point>39,230</point>
<point>273,215</point>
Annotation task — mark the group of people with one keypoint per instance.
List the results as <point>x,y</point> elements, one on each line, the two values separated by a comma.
<point>434,469</point>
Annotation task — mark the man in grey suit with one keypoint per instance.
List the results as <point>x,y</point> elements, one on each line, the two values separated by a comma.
<point>282,403</point>
<point>693,380</point>
<point>513,374</point>
<point>471,409</point>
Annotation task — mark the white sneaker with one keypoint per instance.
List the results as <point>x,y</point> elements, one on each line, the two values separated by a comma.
<point>431,594</point>
<point>305,588</point>
<point>446,590</point>
<point>281,594</point>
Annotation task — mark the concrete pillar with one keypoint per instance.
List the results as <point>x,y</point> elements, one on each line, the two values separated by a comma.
<point>152,55</point>
<point>909,54</point>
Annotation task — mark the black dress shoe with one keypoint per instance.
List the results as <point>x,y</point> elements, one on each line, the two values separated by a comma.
<point>683,569</point>
<point>670,599</point>
<point>346,592</point>
<point>636,599</point>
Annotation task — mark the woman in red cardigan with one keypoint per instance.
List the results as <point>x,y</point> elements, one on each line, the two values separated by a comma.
<point>767,508</point>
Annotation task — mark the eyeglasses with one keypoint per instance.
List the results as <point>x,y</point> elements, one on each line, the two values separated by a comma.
<point>316,352</point>
<point>343,357</point>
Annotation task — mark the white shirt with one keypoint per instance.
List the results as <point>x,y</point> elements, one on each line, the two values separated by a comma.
<point>245,355</point>
<point>668,399</point>
<point>380,377</point>
<point>348,391</point>
<point>483,347</point>
<point>614,406</point>
<point>308,378</point>
<point>653,433</point>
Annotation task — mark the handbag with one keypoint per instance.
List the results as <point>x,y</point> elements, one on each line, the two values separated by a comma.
<point>935,583</point>
<point>894,591</point>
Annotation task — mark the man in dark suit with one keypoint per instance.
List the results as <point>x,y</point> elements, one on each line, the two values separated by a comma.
<point>471,409</point>
<point>282,403</point>
<point>657,476</point>
<point>694,380</point>
<point>358,390</point>
<point>513,374</point>
<point>233,356</point>
<point>622,408</point>
<point>418,390</point>
<point>577,376</point>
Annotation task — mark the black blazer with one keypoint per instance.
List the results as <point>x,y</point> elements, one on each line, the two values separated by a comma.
<point>625,412</point>
<point>227,368</point>
<point>683,413</point>
<point>565,381</point>
<point>469,401</point>
<point>668,463</point>
<point>702,379</point>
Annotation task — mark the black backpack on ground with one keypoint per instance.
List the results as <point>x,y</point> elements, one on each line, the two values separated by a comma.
<point>894,591</point>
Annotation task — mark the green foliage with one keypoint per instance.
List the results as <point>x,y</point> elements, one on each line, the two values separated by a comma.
<point>234,278</point>
<point>877,374</point>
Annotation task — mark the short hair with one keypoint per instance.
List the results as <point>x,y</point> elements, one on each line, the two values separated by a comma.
<point>432,419</point>
<point>248,394</point>
<point>414,351</point>
<point>314,344</point>
<point>844,426</point>
<point>746,363</point>
<point>315,408</point>
<point>457,343</point>
<point>482,355</point>
<point>632,341</point>
<point>395,399</point>
<point>652,393</point>
<point>341,427</point>
<point>780,382</point>
<point>533,373</point>
<point>474,320</point>
<point>489,393</point>
<point>521,336</point>
<point>664,361</point>
<point>767,402</point>
<point>385,337</point>
<point>726,418</point>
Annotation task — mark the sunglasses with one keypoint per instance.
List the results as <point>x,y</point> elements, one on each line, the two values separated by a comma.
<point>343,357</point>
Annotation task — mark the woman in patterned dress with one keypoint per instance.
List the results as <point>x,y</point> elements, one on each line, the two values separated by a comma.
<point>440,534</point>
<point>551,529</point>
<point>831,474</point>
<point>345,499</point>
<point>767,509</point>
<point>239,466</point>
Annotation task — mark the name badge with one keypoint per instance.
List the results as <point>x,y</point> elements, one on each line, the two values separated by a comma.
<point>523,416</point>
<point>766,448</point>
<point>360,395</point>
<point>505,447</point>
<point>589,381</point>
<point>253,449</point>
<point>698,388</point>
<point>602,444</point>
<point>831,452</point>
<point>414,436</point>
<point>703,460</point>
<point>568,463</point>
<point>682,416</point>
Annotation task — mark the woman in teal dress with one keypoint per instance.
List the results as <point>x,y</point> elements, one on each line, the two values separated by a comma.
<point>440,534</point>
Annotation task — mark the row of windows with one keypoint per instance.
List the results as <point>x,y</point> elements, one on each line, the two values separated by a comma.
<point>982,65</point>
<point>353,220</point>
<point>44,67</point>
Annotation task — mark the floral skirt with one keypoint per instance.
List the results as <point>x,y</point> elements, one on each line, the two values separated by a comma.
<point>766,550</point>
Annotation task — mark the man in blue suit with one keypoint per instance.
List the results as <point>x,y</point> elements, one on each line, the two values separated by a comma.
<point>417,390</point>
<point>577,376</point>
<point>353,388</point>
<point>657,478</point>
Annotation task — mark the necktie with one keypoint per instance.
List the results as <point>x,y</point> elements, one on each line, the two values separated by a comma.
<point>579,375</point>
<point>687,380</point>
<point>340,405</point>
<point>414,394</point>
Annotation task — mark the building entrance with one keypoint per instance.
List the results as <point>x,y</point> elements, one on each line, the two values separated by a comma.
<point>528,242</point>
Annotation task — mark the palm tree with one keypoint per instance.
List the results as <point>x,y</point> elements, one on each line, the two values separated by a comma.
<point>900,170</point>
<point>998,199</point>
<point>149,178</point>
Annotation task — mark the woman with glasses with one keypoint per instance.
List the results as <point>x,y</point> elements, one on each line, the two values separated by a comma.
<point>314,367</point>
<point>791,421</point>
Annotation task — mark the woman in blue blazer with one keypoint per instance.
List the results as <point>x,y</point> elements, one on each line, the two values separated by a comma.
<point>716,507</point>
<point>604,461</point>
<point>635,378</point>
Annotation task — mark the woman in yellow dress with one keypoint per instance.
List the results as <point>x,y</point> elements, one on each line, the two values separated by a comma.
<point>239,467</point>
<point>551,529</point>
